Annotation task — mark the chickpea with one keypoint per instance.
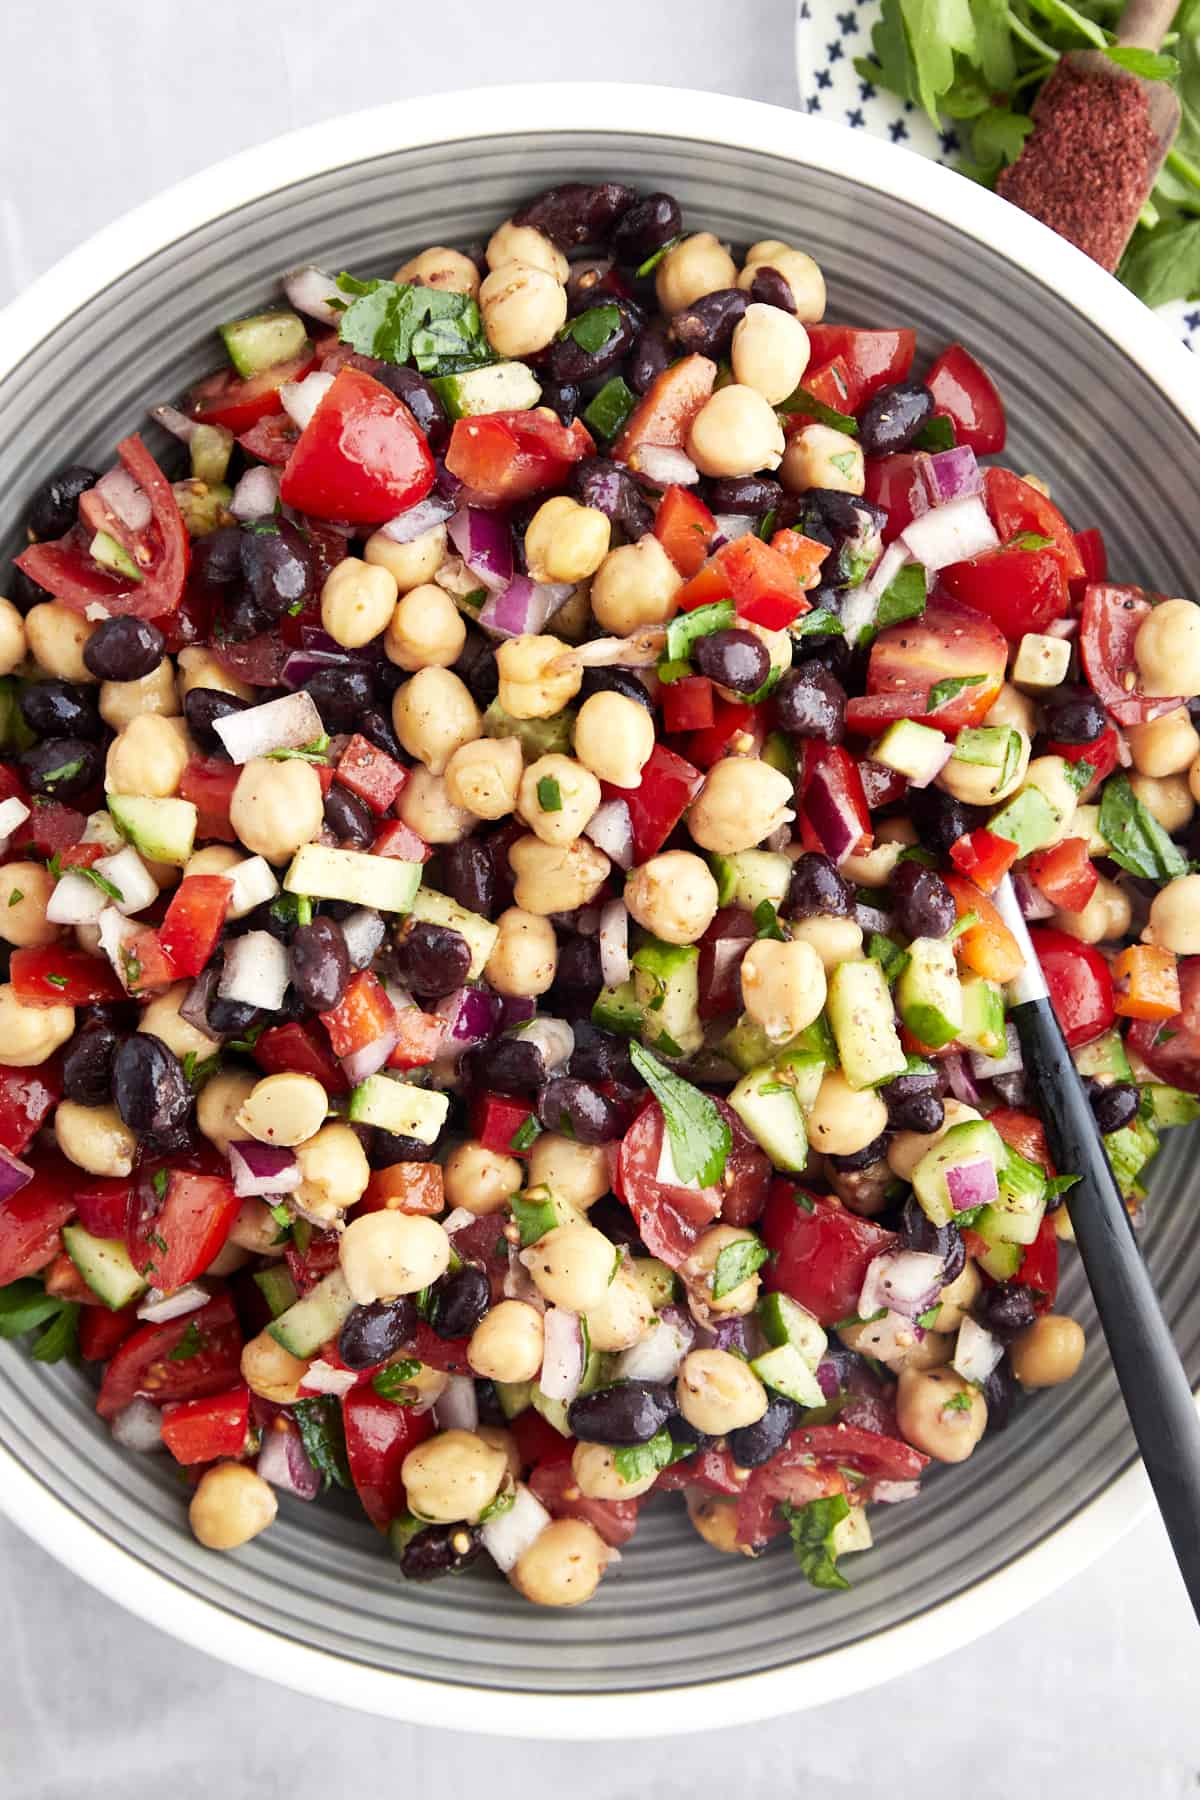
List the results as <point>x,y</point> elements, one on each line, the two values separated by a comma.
<point>820,456</point>
<point>214,859</point>
<point>876,866</point>
<point>256,1229</point>
<point>123,701</point>
<point>230,1506</point>
<point>798,269</point>
<point>452,1476</point>
<point>508,1342</point>
<point>499,1439</point>
<point>623,1317</point>
<point>718,1392</point>
<point>743,800</point>
<point>565,541</point>
<point>385,1254</point>
<point>480,1180</point>
<point>531,687</point>
<point>551,878</point>
<point>783,986</point>
<point>25,890</point>
<point>563,1565</point>
<point>736,433</point>
<point>484,776</point>
<point>697,266</point>
<point>577,1173</point>
<point>334,1173</point>
<point>162,1019</point>
<point>410,565</point>
<point>906,1148</point>
<point>1194,780</point>
<point>770,352</point>
<point>524,956</point>
<point>271,1371</point>
<point>674,896</point>
<point>438,267</point>
<point>284,1109</point>
<point>575,790</point>
<point>511,243</point>
<point>277,806</point>
<point>218,1104</point>
<point>30,1034</point>
<point>196,667</point>
<point>434,715</point>
<point>844,1119</point>
<point>956,1299</point>
<point>522,309</point>
<point>572,1266</point>
<point>13,647</point>
<point>1012,707</point>
<point>95,1138</point>
<point>56,637</point>
<point>426,807</point>
<point>357,601</point>
<point>228,1260</point>
<point>148,757</point>
<point>940,1413</point>
<point>1168,798</point>
<point>715,1518</point>
<point>426,630</point>
<point>1108,914</point>
<point>614,737</point>
<point>636,584</point>
<point>835,940</point>
<point>979,784</point>
<point>1174,919</point>
<point>699,1269</point>
<point>1167,650</point>
<point>1165,746</point>
<point>598,1478</point>
<point>1048,1351</point>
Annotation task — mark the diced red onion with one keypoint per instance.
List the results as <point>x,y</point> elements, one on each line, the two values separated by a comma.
<point>255,972</point>
<point>664,467</point>
<point>434,510</point>
<point>283,1460</point>
<point>361,1064</point>
<point>733,525</point>
<point>262,1168</point>
<point>1030,898</point>
<point>157,1308</point>
<point>779,839</point>
<point>951,475</point>
<point>284,724</point>
<point>484,541</point>
<point>873,918</point>
<point>312,292</point>
<point>364,931</point>
<point>13,1174</point>
<point>553,1037</point>
<point>972,1184</point>
<point>302,665</point>
<point>1062,628</point>
<point>523,606</point>
<point>610,828</point>
<point>322,1377</point>
<point>516,1009</point>
<point>892,1492</point>
<point>562,1355</point>
<point>952,533</point>
<point>1009,1062</point>
<point>256,494</point>
<point>457,1408</point>
<point>657,1356</point>
<point>253,884</point>
<point>519,1283</point>
<point>962,1086</point>
<point>138,1426</point>
<point>122,495</point>
<point>129,874</point>
<point>75,900</point>
<point>470,1015</point>
<point>300,399</point>
<point>976,1352</point>
<point>831,815</point>
<point>508,1535</point>
<point>903,1281</point>
<point>614,943</point>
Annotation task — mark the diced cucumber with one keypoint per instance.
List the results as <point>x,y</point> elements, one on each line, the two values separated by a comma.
<point>553,1411</point>
<point>666,982</point>
<point>163,830</point>
<point>963,1143</point>
<point>1001,1259</point>
<point>502,387</point>
<point>749,877</point>
<point>106,551</point>
<point>1028,820</point>
<point>917,751</point>
<point>618,1009</point>
<point>784,1322</point>
<point>785,1371</point>
<point>929,993</point>
<point>398,1106</point>
<point>210,449</point>
<point>514,1397</point>
<point>1169,1105</point>
<point>263,340</point>
<point>982,1016</point>
<point>384,882</point>
<point>537,737</point>
<point>779,753</point>
<point>1002,1225</point>
<point>277,1288</point>
<point>106,1265</point>
<point>1104,1059</point>
<point>657,1282</point>
<point>1129,1150</point>
<point>312,1321</point>
<point>438,909</point>
<point>746,1045</point>
<point>1086,825</point>
<point>203,505</point>
<point>769,1107</point>
<point>864,1026</point>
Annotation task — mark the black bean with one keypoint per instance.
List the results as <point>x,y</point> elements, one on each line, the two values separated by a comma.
<point>733,659</point>
<point>645,227</point>
<point>23,591</point>
<point>509,1065</point>
<point>611,489</point>
<point>578,966</point>
<point>377,730</point>
<point>854,1160</point>
<point>893,417</point>
<point>815,887</point>
<point>56,503</point>
<point>277,566</point>
<point>651,355</point>
<point>598,1055</point>
<point>1114,1106</point>
<point>370,1334</point>
<point>924,905</point>
<point>613,1218</point>
<point>752,1445</point>
<point>342,694</point>
<point>830,648</point>
<point>577,212</point>
<point>563,398</point>
<point>149,1088</point>
<point>460,1301</point>
<point>917,1232</point>
<point>319,963</point>
<point>750,495</point>
<point>60,709</point>
<point>217,559</point>
<point>844,515</point>
<point>939,819</point>
<point>202,707</point>
<point>422,402</point>
<point>810,701</point>
<point>614,681</point>
<point>62,768</point>
<point>706,327</point>
<point>231,1018</point>
<point>87,1063</point>
<point>770,288</point>
<point>124,649</point>
<point>386,1148</point>
<point>1073,716</point>
<point>999,1392</point>
<point>581,1111</point>
<point>487,1402</point>
<point>567,360</point>
<point>439,1550</point>
<point>681,1431</point>
<point>348,817</point>
<point>432,959</point>
<point>913,1104</point>
<point>243,618</point>
<point>469,876</point>
<point>631,1413</point>
<point>1012,1090</point>
<point>591,282</point>
<point>477,668</point>
<point>1006,1309</point>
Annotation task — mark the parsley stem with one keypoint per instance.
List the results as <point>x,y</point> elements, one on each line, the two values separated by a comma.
<point>1181,165</point>
<point>1028,36</point>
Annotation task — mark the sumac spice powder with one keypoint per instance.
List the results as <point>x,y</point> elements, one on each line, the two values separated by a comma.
<point>1085,169</point>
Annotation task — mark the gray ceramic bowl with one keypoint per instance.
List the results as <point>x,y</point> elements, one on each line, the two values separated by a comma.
<point>1102,405</point>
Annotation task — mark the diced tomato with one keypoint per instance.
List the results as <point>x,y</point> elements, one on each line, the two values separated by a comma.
<point>31,1220</point>
<point>361,1017</point>
<point>176,1236</point>
<point>1103,754</point>
<point>788,1478</point>
<point>687,705</point>
<point>209,1363</point>
<point>731,718</point>
<point>721,950</point>
<point>831,384</point>
<point>668,786</point>
<point>1024,1133</point>
<point>988,947</point>
<point>664,414</point>
<point>193,921</point>
<point>61,975</point>
<point>379,1435</point>
<point>207,1430</point>
<point>309,1266</point>
<point>538,1441</point>
<point>747,1178</point>
<point>509,456</point>
<point>361,457</point>
<point>409,1187</point>
<point>803,555</point>
<point>812,1464</point>
<point>1108,628</point>
<point>1146,983</point>
<point>896,484</point>
<point>1092,553</point>
<point>370,773</point>
<point>62,1279</point>
<point>1021,590</point>
<point>1171,1049</point>
<point>270,439</point>
<point>298,1048</point>
<point>26,1099</point>
<point>495,1121</point>
<point>984,858</point>
<point>209,783</point>
<point>949,642</point>
<point>670,1218</point>
<point>224,398</point>
<point>821,1251</point>
<point>145,964</point>
<point>555,1485</point>
<point>448,1354</point>
<point>685,528</point>
<point>398,839</point>
<point>1080,984</point>
<point>874,359</point>
<point>1017,508</point>
<point>1065,874</point>
<point>420,1039</point>
<point>258,660</point>
<point>829,793</point>
<point>101,1333</point>
<point>52,827</point>
<point>1039,1266</point>
<point>964,392</point>
<point>102,1202</point>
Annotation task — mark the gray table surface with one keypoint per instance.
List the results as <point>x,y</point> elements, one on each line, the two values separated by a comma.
<point>1093,1693</point>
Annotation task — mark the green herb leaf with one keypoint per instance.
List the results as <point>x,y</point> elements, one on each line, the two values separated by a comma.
<point>936,434</point>
<point>736,1263</point>
<point>958,1402</point>
<point>394,1381</point>
<point>699,1137</point>
<point>607,412</point>
<point>766,922</point>
<point>526,1133</point>
<point>1136,840</point>
<point>651,263</point>
<point>942,691</point>
<point>196,1072</point>
<point>474,599</point>
<point>24,1305</point>
<point>160,1181</point>
<point>592,329</point>
<point>1060,1184</point>
<point>903,598</point>
<point>1077,774</point>
<point>441,332</point>
<point>534,1216</point>
<point>189,1345</point>
<point>998,136</point>
<point>63,772</point>
<point>888,954</point>
<point>314,752</point>
<point>821,623</point>
<point>281,1215</point>
<point>811,408</point>
<point>17,895</point>
<point>928,1320</point>
<point>56,981</point>
<point>936,29</point>
<point>686,629</point>
<point>320,1423</point>
<point>103,883</point>
<point>549,795</point>
<point>637,1461</point>
<point>812,1528</point>
<point>1164,264</point>
<point>60,1337</point>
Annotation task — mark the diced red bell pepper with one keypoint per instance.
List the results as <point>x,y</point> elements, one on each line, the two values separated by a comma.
<point>1080,984</point>
<point>209,783</point>
<point>685,528</point>
<point>398,839</point>
<point>1146,983</point>
<point>145,965</point>
<point>189,932</point>
<point>495,1121</point>
<point>760,579</point>
<point>207,1430</point>
<point>1103,754</point>
<point>803,555</point>
<point>664,414</point>
<point>984,858</point>
<point>1065,874</point>
<point>361,457</point>
<point>377,778</point>
<point>988,947</point>
<point>406,1187</point>
<point>61,975</point>
<point>1039,1266</point>
<point>873,359</point>
<point>101,1333</point>
<point>379,1435</point>
<point>26,1099</point>
<point>362,1016</point>
<point>420,1038</point>
<point>298,1049</point>
<point>209,1363</point>
<point>687,705</point>
<point>964,392</point>
<point>730,719</point>
<point>668,786</point>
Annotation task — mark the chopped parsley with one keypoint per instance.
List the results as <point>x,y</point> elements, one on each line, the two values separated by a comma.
<point>636,1461</point>
<point>189,1345</point>
<point>950,689</point>
<point>821,623</point>
<point>17,895</point>
<point>1136,840</point>
<point>592,329</point>
<point>737,1263</point>
<point>323,1436</point>
<point>315,752</point>
<point>394,1382</point>
<point>607,413</point>
<point>652,261</point>
<point>102,882</point>
<point>25,1305</point>
<point>928,1320</point>
<point>196,1073</point>
<point>441,332</point>
<point>812,1529</point>
<point>888,954</point>
<point>699,1137</point>
<point>935,434</point>
<point>64,772</point>
<point>534,1215</point>
<point>504,1502</point>
<point>959,1402</point>
<point>903,598</point>
<point>812,408</point>
<point>1078,774</point>
<point>766,922</point>
<point>160,1182</point>
<point>56,981</point>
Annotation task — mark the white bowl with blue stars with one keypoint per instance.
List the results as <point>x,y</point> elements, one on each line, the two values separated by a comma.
<point>830,35</point>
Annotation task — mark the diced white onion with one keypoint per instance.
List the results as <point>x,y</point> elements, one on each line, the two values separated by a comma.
<point>657,1356</point>
<point>458,1220</point>
<point>129,875</point>
<point>75,901</point>
<point>255,972</point>
<point>952,533</point>
<point>253,883</point>
<point>176,422</point>
<point>976,1352</point>
<point>138,1427</point>
<point>735,525</point>
<point>553,1037</point>
<point>857,612</point>
<point>664,467</point>
<point>323,1378</point>
<point>300,399</point>
<point>101,830</point>
<point>284,724</point>
<point>611,830</point>
<point>115,929</point>
<point>457,1408</point>
<point>310,290</point>
<point>983,1068</point>
<point>364,932</point>
<point>562,1355</point>
<point>614,943</point>
<point>158,1307</point>
<point>256,494</point>
<point>13,814</point>
<point>891,1492</point>
<point>508,1535</point>
<point>122,494</point>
